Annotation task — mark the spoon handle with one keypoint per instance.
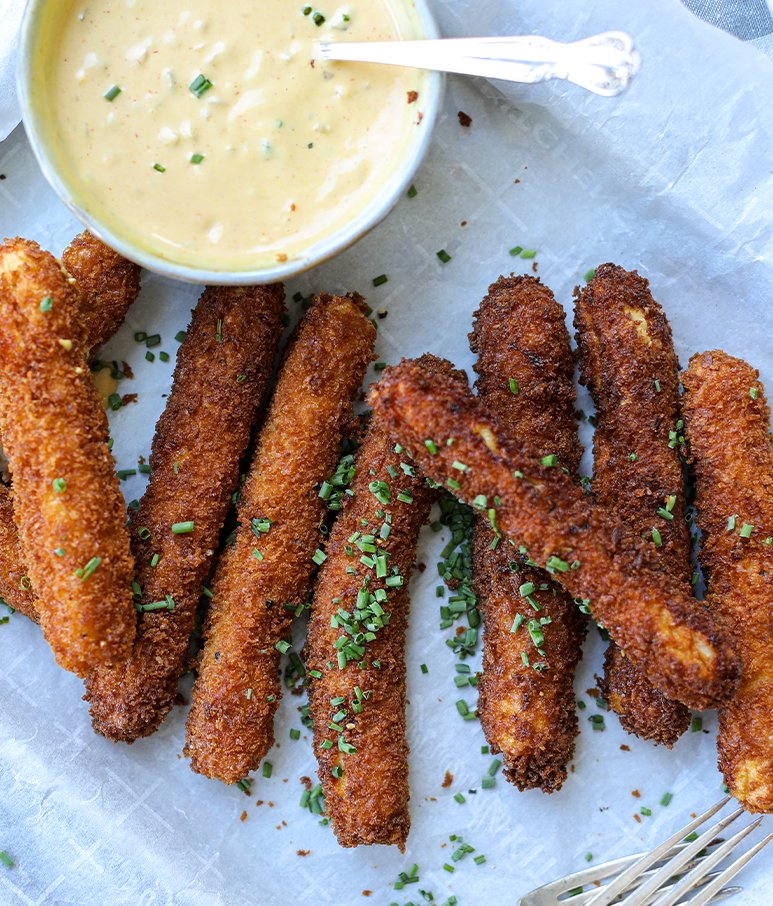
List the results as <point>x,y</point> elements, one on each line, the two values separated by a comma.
<point>604,63</point>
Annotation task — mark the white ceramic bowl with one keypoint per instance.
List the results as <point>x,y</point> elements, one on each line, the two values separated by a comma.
<point>41,141</point>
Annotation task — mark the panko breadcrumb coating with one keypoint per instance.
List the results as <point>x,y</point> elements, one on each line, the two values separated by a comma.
<point>68,506</point>
<point>727,420</point>
<point>108,286</point>
<point>266,572</point>
<point>357,688</point>
<point>15,585</point>
<point>221,377</point>
<point>585,547</point>
<point>526,700</point>
<point>628,363</point>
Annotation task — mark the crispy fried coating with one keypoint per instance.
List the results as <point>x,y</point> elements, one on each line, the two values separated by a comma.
<point>269,566</point>
<point>526,701</point>
<point>109,284</point>
<point>15,586</point>
<point>728,419</point>
<point>628,362</point>
<point>223,369</point>
<point>363,765</point>
<point>587,547</point>
<point>68,506</point>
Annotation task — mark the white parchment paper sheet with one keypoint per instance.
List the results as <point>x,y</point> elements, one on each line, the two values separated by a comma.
<point>673,179</point>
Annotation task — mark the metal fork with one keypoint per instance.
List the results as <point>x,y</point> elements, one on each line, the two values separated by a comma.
<point>658,877</point>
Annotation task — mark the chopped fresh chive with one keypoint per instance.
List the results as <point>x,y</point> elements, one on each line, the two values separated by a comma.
<point>647,812</point>
<point>746,530</point>
<point>444,256</point>
<point>424,668</point>
<point>318,18</point>
<point>6,859</point>
<point>666,799</point>
<point>555,564</point>
<point>657,386</point>
<point>154,560</point>
<point>114,401</point>
<point>696,724</point>
<point>412,191</point>
<point>282,646</point>
<point>488,783</point>
<point>153,340</point>
<point>140,336</point>
<point>200,85</point>
<point>144,468</point>
<point>180,336</point>
<point>123,474</point>
<point>529,253</point>
<point>632,457</point>
<point>59,485</point>
<point>159,168</point>
<point>164,356</point>
<point>665,514</point>
<point>88,569</point>
<point>731,523</point>
<point>380,280</point>
<point>550,460</point>
<point>144,533</point>
<point>295,733</point>
<point>513,385</point>
<point>46,304</point>
<point>112,93</point>
<point>319,557</point>
<point>589,275</point>
<point>656,538</point>
<point>150,356</point>
<point>753,392</point>
<point>197,158</point>
<point>516,250</point>
<point>459,798</point>
<point>183,528</point>
<point>268,769</point>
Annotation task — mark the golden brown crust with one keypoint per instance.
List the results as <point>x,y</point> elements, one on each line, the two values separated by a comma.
<point>221,377</point>
<point>15,588</point>
<point>526,708</point>
<point>54,428</point>
<point>368,803</point>
<point>728,419</point>
<point>625,347</point>
<point>227,732</point>
<point>108,284</point>
<point>683,652</point>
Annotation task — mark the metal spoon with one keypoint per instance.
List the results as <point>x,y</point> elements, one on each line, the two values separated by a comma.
<point>604,64</point>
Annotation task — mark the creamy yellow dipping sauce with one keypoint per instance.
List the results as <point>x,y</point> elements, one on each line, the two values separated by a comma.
<point>206,133</point>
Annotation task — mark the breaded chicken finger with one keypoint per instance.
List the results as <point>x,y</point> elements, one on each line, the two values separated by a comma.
<point>526,699</point>
<point>108,285</point>
<point>628,363</point>
<point>355,648</point>
<point>728,419</point>
<point>68,506</point>
<point>266,572</point>
<point>221,377</point>
<point>585,547</point>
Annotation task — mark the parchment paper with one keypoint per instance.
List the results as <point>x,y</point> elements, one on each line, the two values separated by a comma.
<point>673,179</point>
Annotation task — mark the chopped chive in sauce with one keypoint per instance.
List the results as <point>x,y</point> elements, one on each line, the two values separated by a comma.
<point>159,168</point>
<point>197,158</point>
<point>112,93</point>
<point>200,85</point>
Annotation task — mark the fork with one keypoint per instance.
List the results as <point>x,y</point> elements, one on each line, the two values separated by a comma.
<point>658,877</point>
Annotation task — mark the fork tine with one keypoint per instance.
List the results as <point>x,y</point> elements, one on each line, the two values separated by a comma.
<point>582,899</point>
<point>698,873</point>
<point>591,875</point>
<point>731,871</point>
<point>623,882</point>
<point>646,891</point>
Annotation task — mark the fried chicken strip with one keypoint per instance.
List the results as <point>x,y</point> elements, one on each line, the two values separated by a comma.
<point>628,363</point>
<point>526,381</point>
<point>68,506</point>
<point>728,419</point>
<point>357,688</point>
<point>266,572</point>
<point>108,283</point>
<point>586,547</point>
<point>221,377</point>
<point>108,286</point>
